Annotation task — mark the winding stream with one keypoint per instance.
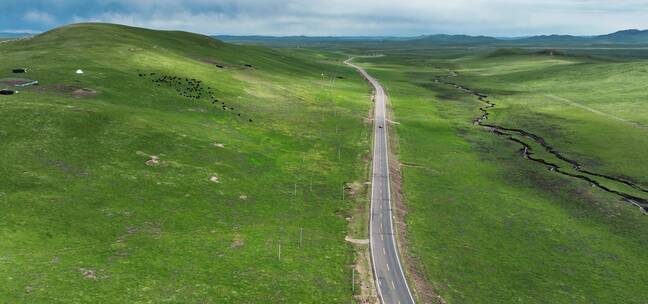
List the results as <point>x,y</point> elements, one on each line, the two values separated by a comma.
<point>527,152</point>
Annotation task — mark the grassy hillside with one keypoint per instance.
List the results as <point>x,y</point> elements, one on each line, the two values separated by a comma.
<point>486,225</point>
<point>117,188</point>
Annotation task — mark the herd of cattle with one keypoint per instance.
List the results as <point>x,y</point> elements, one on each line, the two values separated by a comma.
<point>189,88</point>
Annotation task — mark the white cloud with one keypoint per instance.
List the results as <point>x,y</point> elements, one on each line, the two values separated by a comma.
<point>20,31</point>
<point>39,17</point>
<point>376,17</point>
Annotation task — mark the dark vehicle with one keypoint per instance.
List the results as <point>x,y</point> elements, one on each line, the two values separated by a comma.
<point>7,92</point>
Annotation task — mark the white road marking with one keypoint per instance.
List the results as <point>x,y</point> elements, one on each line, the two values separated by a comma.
<point>380,202</point>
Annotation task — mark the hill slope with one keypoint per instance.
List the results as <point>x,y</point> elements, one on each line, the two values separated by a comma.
<point>176,168</point>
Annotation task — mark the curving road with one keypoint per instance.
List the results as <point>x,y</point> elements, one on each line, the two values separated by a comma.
<point>388,272</point>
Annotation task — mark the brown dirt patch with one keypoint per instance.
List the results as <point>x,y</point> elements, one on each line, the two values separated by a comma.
<point>367,293</point>
<point>153,161</point>
<point>68,90</point>
<point>356,241</point>
<point>354,188</point>
<point>88,273</point>
<point>84,92</point>
<point>237,241</point>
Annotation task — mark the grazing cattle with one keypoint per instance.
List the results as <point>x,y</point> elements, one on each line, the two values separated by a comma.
<point>190,88</point>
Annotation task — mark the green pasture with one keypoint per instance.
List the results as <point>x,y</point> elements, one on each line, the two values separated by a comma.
<point>236,209</point>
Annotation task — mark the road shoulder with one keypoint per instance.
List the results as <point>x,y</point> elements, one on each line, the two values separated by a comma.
<point>421,287</point>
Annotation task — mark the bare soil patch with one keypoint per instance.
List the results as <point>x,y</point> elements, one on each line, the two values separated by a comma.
<point>356,241</point>
<point>367,294</point>
<point>68,90</point>
<point>237,241</point>
<point>153,161</point>
<point>88,273</point>
<point>84,92</point>
<point>354,188</point>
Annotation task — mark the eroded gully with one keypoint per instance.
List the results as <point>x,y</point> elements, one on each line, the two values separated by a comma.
<point>527,153</point>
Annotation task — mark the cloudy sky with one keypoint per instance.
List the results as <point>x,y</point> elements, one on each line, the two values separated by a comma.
<point>336,17</point>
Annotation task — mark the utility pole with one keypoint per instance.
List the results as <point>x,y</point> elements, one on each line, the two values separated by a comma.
<point>295,192</point>
<point>301,237</point>
<point>353,280</point>
<point>279,251</point>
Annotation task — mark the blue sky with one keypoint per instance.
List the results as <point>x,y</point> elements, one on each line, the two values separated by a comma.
<point>336,17</point>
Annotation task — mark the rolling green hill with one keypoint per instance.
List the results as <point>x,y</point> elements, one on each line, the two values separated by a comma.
<point>177,168</point>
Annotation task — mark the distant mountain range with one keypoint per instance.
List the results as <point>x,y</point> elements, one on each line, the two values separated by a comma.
<point>625,37</point>
<point>620,37</point>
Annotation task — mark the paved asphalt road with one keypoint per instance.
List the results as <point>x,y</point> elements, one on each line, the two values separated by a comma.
<point>391,283</point>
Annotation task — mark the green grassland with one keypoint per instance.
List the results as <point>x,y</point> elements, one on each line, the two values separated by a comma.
<point>86,219</point>
<point>488,226</point>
